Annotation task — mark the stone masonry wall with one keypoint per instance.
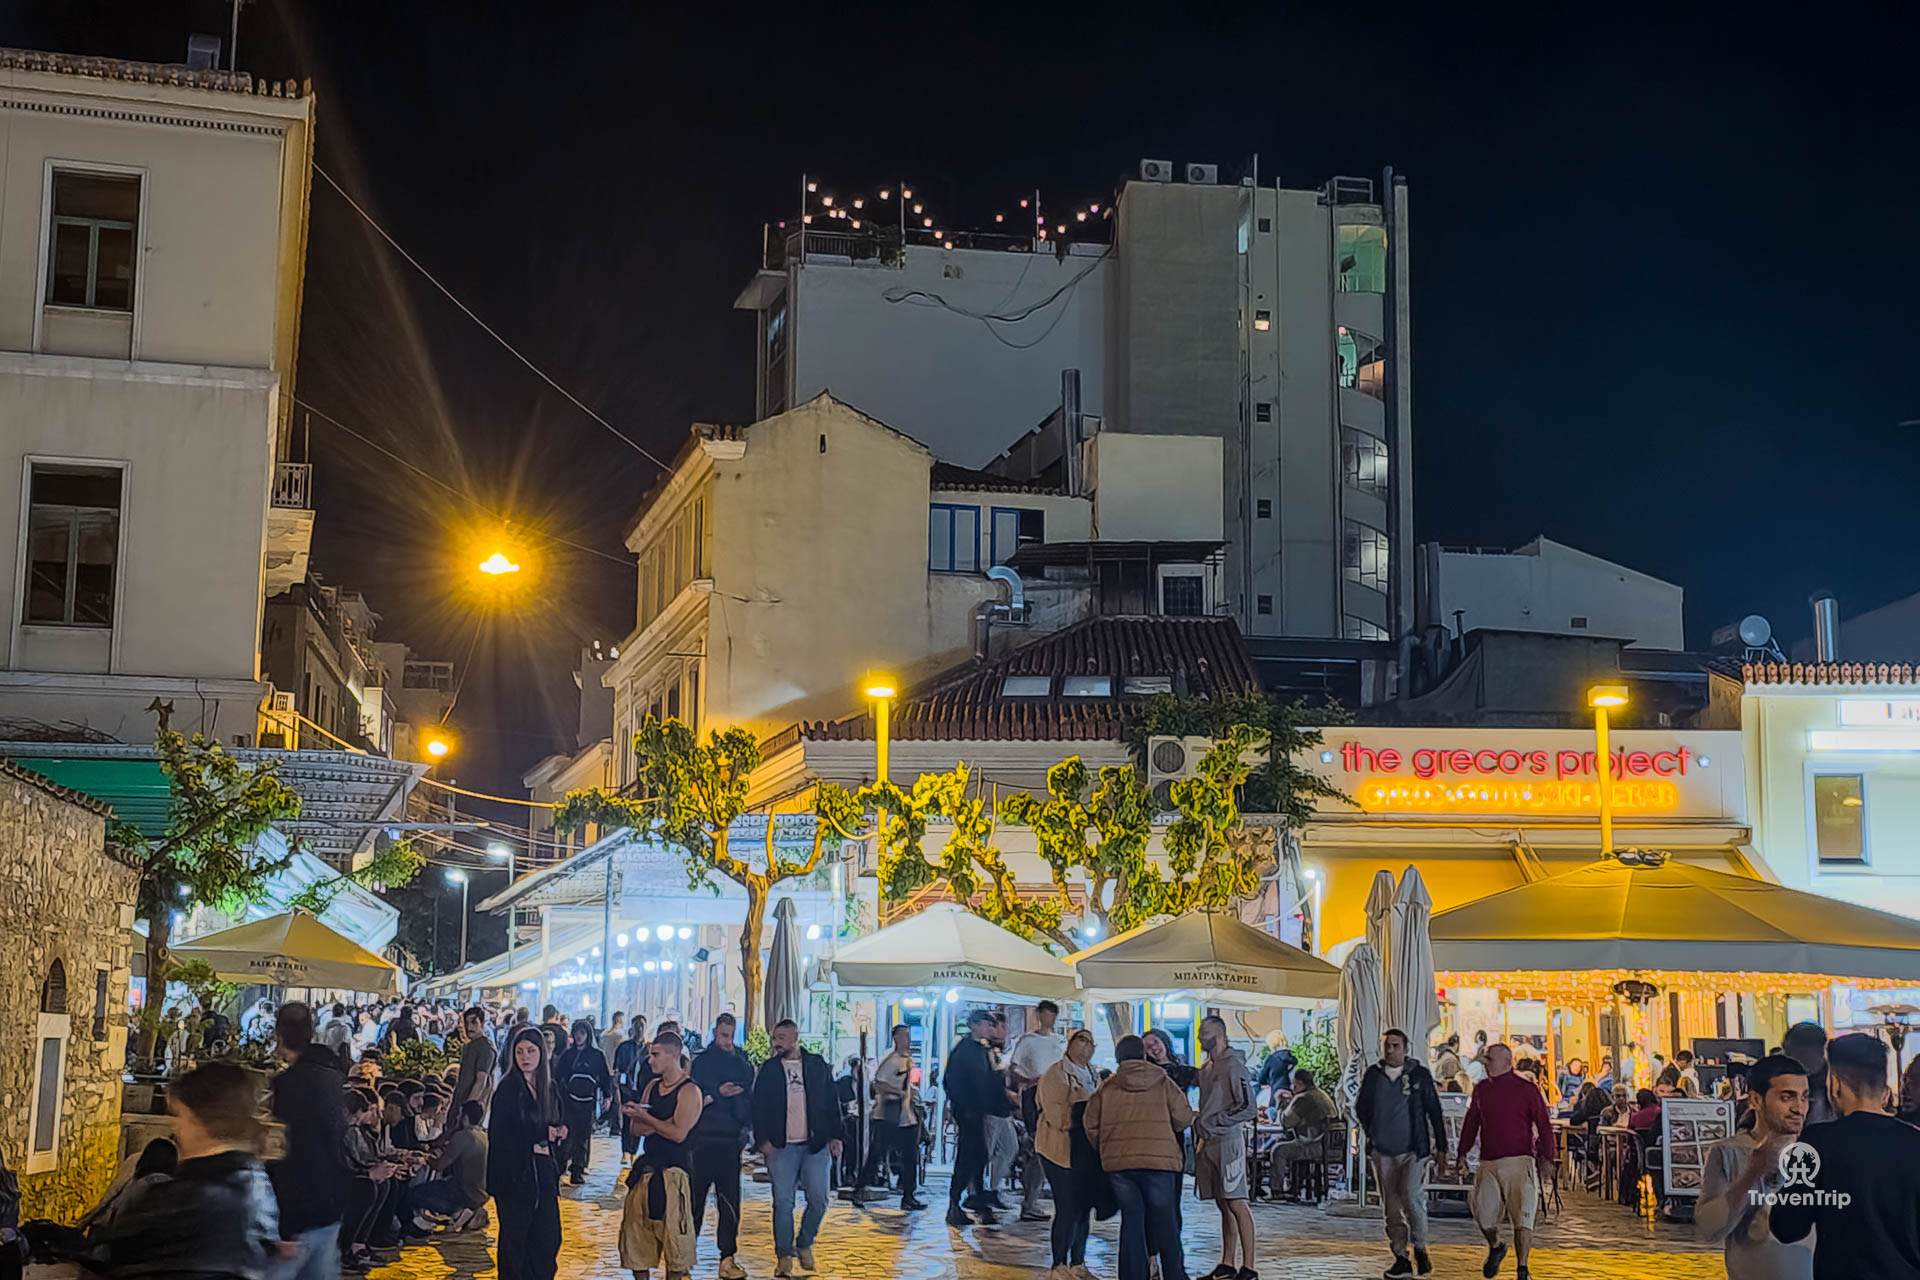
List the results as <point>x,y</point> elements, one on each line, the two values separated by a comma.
<point>62,896</point>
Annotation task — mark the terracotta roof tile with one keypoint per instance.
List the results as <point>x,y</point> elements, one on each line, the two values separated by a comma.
<point>1842,673</point>
<point>949,475</point>
<point>90,803</point>
<point>88,68</point>
<point>1205,656</point>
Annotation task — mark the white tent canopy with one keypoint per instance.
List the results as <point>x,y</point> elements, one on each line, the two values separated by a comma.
<point>948,946</point>
<point>1210,956</point>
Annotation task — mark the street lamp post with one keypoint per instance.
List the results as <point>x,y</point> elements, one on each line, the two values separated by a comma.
<point>882,689</point>
<point>1603,698</point>
<point>500,850</point>
<point>456,876</point>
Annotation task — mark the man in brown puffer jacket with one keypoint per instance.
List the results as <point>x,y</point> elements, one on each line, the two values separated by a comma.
<point>1135,1120</point>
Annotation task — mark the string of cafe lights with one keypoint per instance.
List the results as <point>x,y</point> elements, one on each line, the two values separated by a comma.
<point>911,215</point>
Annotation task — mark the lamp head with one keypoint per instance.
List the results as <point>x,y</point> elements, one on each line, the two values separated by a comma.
<point>1607,695</point>
<point>438,747</point>
<point>882,687</point>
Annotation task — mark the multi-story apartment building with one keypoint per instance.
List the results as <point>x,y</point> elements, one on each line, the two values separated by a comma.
<point>153,228</point>
<point>781,562</point>
<point>1271,319</point>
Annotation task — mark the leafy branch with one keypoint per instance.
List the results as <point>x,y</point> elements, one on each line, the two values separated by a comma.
<point>397,864</point>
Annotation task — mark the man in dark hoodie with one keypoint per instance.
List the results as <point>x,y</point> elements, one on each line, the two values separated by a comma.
<point>973,1087</point>
<point>724,1075</point>
<point>1399,1107</point>
<point>310,1180</point>
<point>796,1123</point>
<point>583,1079</point>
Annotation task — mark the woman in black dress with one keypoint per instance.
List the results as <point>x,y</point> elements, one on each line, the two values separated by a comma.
<point>522,1174</point>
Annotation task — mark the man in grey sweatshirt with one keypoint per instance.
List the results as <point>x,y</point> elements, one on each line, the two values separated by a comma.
<point>1220,1147</point>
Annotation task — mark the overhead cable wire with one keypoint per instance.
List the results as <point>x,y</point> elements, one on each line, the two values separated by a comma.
<point>491,332</point>
<point>468,498</point>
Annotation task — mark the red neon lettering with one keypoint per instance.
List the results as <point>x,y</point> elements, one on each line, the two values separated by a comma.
<point>1639,762</point>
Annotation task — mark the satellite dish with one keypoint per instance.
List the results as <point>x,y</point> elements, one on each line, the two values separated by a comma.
<point>1755,631</point>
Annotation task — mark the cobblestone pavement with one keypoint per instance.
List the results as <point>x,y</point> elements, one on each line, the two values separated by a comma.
<point>1586,1241</point>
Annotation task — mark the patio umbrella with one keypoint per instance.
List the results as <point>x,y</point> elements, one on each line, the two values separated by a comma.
<point>948,946</point>
<point>1641,917</point>
<point>1359,1019</point>
<point>1210,956</point>
<point>1411,1003</point>
<point>786,985</point>
<point>291,950</point>
<point>1381,927</point>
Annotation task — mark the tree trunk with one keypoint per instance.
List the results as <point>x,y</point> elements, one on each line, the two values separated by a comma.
<point>1119,1019</point>
<point>159,956</point>
<point>751,972</point>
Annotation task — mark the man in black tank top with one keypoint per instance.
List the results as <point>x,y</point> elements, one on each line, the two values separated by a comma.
<point>657,1225</point>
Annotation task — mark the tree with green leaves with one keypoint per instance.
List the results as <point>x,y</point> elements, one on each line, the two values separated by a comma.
<point>690,793</point>
<point>392,866</point>
<point>218,809</point>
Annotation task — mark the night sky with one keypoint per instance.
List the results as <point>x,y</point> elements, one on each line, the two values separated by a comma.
<point>1662,290</point>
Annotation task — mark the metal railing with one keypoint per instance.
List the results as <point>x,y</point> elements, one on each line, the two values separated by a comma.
<point>293,485</point>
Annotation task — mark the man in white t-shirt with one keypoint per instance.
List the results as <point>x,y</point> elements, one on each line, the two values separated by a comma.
<point>895,1131</point>
<point>796,1125</point>
<point>1033,1056</point>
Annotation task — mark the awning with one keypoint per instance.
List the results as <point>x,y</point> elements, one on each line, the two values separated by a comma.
<point>292,950</point>
<point>948,946</point>
<point>1210,956</point>
<point>1673,917</point>
<point>530,964</point>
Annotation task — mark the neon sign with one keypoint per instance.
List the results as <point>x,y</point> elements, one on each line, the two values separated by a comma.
<point>1495,794</point>
<point>1441,762</point>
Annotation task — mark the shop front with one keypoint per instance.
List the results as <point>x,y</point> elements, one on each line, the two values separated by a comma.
<point>1485,811</point>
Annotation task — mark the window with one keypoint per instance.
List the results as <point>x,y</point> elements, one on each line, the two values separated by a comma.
<point>1086,686</point>
<point>91,250</point>
<point>1363,258</point>
<point>1360,629</point>
<point>673,702</point>
<point>1144,685</point>
<point>1263,605</point>
<point>1839,818</point>
<point>1026,686</point>
<point>1013,528</point>
<point>953,538</point>
<point>1263,412</point>
<point>73,539</point>
<point>49,1080</point>
<point>1365,561</point>
<point>693,696</point>
<point>1363,362</point>
<point>1263,508</point>
<point>1263,320</point>
<point>1363,460</point>
<point>1578,624</point>
<point>1183,595</point>
<point>1266,225</point>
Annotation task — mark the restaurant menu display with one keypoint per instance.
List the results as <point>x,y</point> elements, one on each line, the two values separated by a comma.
<point>1688,1126</point>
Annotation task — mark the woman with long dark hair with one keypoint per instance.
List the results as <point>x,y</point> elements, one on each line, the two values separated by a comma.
<point>522,1174</point>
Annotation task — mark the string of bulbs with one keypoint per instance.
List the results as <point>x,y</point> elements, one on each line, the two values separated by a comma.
<point>906,209</point>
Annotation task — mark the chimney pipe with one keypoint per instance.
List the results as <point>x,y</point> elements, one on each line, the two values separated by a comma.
<point>1826,626</point>
<point>1070,428</point>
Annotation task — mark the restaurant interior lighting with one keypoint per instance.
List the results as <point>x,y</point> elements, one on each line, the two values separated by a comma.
<point>621,940</point>
<point>642,934</point>
<point>685,932</point>
<point>813,932</point>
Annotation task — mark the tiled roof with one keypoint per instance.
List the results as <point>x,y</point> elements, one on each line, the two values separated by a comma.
<point>1202,656</point>
<point>90,803</point>
<point>69,64</point>
<point>949,475</point>
<point>1847,673</point>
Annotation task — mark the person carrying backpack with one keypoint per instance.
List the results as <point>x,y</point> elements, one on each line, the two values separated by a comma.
<point>583,1079</point>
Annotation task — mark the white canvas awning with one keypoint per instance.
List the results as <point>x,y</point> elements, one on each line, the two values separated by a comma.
<point>948,946</point>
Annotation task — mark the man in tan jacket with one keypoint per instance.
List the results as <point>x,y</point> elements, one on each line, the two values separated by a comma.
<point>1134,1120</point>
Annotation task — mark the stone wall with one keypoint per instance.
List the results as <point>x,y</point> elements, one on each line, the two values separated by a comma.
<point>63,897</point>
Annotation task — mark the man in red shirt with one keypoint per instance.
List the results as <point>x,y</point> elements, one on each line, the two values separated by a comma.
<point>1508,1118</point>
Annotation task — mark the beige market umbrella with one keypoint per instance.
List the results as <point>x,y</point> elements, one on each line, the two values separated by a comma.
<point>1210,956</point>
<point>1383,925</point>
<point>1411,1002</point>
<point>291,950</point>
<point>1672,917</point>
<point>948,946</point>
<point>1359,1027</point>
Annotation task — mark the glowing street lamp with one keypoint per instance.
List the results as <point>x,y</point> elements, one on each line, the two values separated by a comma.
<point>1604,698</point>
<point>498,565</point>
<point>438,747</point>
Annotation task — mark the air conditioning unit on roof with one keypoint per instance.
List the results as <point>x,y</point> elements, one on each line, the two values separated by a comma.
<point>1203,175</point>
<point>1156,171</point>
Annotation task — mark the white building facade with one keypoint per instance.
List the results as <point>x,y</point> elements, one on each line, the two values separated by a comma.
<point>152,236</point>
<point>1546,586</point>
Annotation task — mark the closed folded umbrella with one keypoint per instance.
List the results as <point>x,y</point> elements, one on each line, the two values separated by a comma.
<point>1359,1019</point>
<point>786,985</point>
<point>1412,1004</point>
<point>1382,899</point>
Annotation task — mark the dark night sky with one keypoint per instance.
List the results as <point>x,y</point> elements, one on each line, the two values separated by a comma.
<point>1661,293</point>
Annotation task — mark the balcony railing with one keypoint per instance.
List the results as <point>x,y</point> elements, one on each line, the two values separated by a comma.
<point>293,485</point>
